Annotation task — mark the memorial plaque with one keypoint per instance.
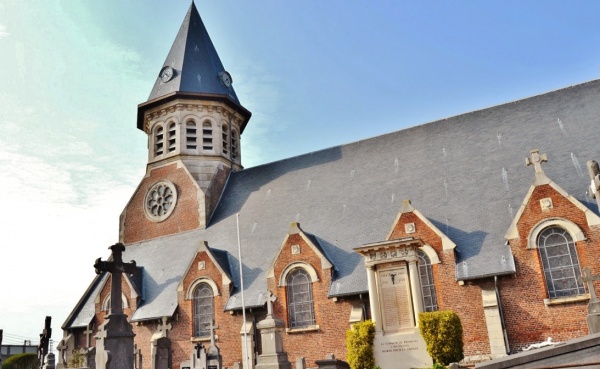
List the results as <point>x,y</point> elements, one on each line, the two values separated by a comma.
<point>395,297</point>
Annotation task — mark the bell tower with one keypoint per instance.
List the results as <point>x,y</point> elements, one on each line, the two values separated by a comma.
<point>194,121</point>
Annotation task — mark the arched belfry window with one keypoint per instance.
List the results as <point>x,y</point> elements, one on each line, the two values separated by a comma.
<point>159,137</point>
<point>207,136</point>
<point>560,263</point>
<point>172,137</point>
<point>235,146</point>
<point>204,311</point>
<point>191,135</point>
<point>225,136</point>
<point>301,311</point>
<point>427,284</point>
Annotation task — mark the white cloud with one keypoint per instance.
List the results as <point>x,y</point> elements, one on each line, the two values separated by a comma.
<point>3,32</point>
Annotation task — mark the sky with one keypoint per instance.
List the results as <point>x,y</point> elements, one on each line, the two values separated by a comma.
<point>315,74</point>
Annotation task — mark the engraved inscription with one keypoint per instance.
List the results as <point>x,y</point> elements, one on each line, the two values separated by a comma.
<point>394,294</point>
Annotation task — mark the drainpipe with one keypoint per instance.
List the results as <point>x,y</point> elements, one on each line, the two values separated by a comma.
<point>501,311</point>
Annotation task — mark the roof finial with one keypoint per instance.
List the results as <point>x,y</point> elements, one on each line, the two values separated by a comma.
<point>536,159</point>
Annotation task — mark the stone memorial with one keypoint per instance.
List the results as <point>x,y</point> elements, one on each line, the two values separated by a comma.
<point>50,362</point>
<point>213,354</point>
<point>114,340</point>
<point>45,337</point>
<point>330,362</point>
<point>593,318</point>
<point>197,359</point>
<point>162,357</point>
<point>300,363</point>
<point>273,356</point>
<point>395,300</point>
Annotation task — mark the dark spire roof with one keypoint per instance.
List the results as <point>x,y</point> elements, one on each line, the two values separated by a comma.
<point>194,61</point>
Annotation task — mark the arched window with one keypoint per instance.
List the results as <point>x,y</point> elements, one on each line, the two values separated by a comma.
<point>225,134</point>
<point>191,135</point>
<point>172,137</point>
<point>301,311</point>
<point>204,311</point>
<point>207,137</point>
<point>158,141</point>
<point>235,147</point>
<point>427,285</point>
<point>560,263</point>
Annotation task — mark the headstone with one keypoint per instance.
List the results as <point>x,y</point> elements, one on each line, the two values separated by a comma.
<point>50,362</point>
<point>90,358</point>
<point>331,362</point>
<point>137,354</point>
<point>114,340</point>
<point>162,353</point>
<point>593,318</point>
<point>213,354</point>
<point>273,356</point>
<point>44,342</point>
<point>300,363</point>
<point>66,345</point>
<point>197,358</point>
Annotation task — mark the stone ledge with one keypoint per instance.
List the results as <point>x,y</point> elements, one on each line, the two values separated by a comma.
<point>310,328</point>
<point>566,300</point>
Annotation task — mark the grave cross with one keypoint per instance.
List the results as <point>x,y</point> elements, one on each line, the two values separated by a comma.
<point>44,341</point>
<point>198,348</point>
<point>270,299</point>
<point>212,328</point>
<point>536,159</point>
<point>589,279</point>
<point>164,326</point>
<point>88,333</point>
<point>116,267</point>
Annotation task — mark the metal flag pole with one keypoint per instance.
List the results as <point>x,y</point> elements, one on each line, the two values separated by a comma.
<point>237,218</point>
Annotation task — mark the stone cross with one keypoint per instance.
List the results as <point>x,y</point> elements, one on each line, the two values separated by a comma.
<point>44,341</point>
<point>198,348</point>
<point>594,172</point>
<point>536,159</point>
<point>212,328</point>
<point>116,267</point>
<point>164,327</point>
<point>589,279</point>
<point>88,335</point>
<point>270,299</point>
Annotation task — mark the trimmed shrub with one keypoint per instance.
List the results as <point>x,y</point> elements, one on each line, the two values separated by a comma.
<point>359,343</point>
<point>77,360</point>
<point>21,361</point>
<point>442,332</point>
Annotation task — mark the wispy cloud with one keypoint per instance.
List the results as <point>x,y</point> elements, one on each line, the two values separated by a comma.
<point>3,32</point>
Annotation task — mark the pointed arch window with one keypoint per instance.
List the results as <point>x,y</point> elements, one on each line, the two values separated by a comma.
<point>427,284</point>
<point>207,136</point>
<point>225,136</point>
<point>301,310</point>
<point>235,147</point>
<point>204,311</point>
<point>191,135</point>
<point>158,141</point>
<point>172,137</point>
<point>560,263</point>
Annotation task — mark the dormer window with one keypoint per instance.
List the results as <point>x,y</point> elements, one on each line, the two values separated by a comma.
<point>225,136</point>
<point>207,137</point>
<point>158,141</point>
<point>191,136</point>
<point>172,137</point>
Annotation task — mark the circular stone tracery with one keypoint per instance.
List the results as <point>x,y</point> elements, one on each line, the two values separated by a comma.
<point>160,201</point>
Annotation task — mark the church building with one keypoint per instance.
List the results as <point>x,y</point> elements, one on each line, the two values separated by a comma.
<point>489,214</point>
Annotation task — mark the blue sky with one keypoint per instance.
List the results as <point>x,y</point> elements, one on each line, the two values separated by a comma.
<point>314,73</point>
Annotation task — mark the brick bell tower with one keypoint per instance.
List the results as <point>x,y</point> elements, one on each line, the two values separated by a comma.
<point>193,120</point>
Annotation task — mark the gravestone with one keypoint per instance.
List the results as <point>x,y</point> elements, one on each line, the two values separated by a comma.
<point>593,318</point>
<point>114,340</point>
<point>330,362</point>
<point>273,356</point>
<point>162,353</point>
<point>197,358</point>
<point>45,337</point>
<point>50,360</point>
<point>213,354</point>
<point>90,358</point>
<point>300,363</point>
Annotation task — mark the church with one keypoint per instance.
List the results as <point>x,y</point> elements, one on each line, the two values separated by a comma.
<point>489,214</point>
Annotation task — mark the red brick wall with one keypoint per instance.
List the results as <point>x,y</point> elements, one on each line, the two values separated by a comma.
<point>463,300</point>
<point>137,227</point>
<point>528,319</point>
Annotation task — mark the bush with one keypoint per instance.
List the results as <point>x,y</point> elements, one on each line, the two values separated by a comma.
<point>77,360</point>
<point>21,361</point>
<point>359,343</point>
<point>442,332</point>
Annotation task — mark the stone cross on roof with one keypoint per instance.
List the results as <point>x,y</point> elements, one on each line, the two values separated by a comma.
<point>589,279</point>
<point>270,299</point>
<point>536,159</point>
<point>116,267</point>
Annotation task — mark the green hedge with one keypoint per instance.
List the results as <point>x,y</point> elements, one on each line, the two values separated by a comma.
<point>21,361</point>
<point>442,332</point>
<point>359,343</point>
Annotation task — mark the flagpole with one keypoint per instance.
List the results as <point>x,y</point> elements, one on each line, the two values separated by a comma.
<point>237,218</point>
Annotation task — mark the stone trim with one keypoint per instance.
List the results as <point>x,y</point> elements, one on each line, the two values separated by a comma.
<point>298,264</point>
<point>190,292</point>
<point>566,300</point>
<point>573,229</point>
<point>431,254</point>
<point>310,328</point>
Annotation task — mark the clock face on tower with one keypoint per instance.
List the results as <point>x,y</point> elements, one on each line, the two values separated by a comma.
<point>166,74</point>
<point>225,78</point>
<point>160,201</point>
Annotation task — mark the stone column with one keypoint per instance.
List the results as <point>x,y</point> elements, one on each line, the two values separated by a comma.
<point>247,344</point>
<point>415,283</point>
<point>374,297</point>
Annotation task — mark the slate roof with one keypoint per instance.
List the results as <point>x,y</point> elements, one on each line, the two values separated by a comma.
<point>195,61</point>
<point>466,174</point>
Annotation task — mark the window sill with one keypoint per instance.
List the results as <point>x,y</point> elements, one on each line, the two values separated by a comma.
<point>310,328</point>
<point>566,300</point>
<point>203,339</point>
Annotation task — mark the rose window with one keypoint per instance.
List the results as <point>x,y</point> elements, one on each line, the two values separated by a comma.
<point>160,201</point>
